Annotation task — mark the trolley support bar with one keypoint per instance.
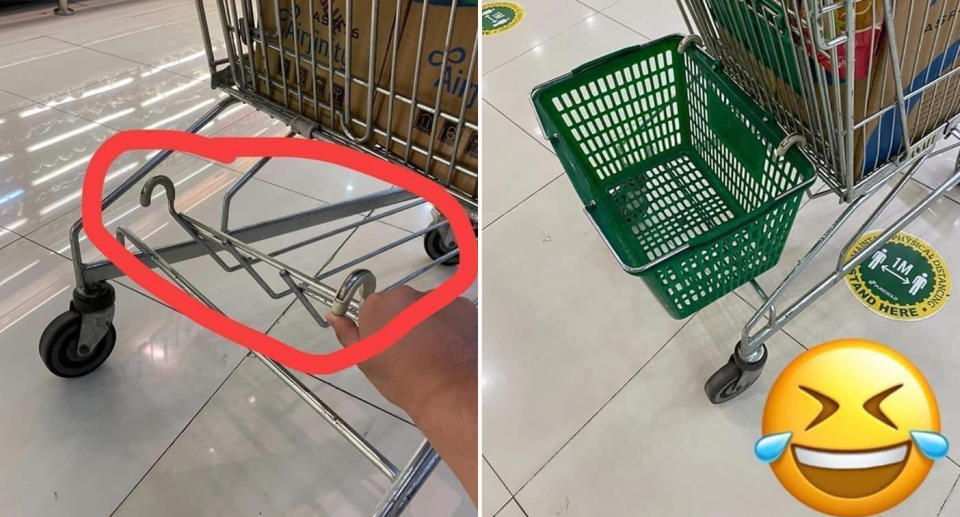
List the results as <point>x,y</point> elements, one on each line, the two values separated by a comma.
<point>328,414</point>
<point>342,427</point>
<point>410,479</point>
<point>751,344</point>
<point>105,270</point>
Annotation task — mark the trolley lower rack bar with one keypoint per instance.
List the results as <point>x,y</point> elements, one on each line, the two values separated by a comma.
<point>88,322</point>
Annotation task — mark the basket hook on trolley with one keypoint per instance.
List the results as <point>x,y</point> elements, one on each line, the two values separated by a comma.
<point>687,40</point>
<point>788,142</point>
<point>361,282</point>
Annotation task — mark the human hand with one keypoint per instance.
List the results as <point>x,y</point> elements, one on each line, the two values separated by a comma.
<point>435,356</point>
<point>431,373</point>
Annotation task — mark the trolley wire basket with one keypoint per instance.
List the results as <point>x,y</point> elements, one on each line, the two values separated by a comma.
<point>432,134</point>
<point>677,168</point>
<point>868,84</point>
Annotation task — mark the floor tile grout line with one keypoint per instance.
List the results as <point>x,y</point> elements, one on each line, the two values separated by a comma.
<point>179,434</point>
<point>15,239</point>
<point>221,165</point>
<point>524,200</point>
<point>520,506</point>
<point>512,498</point>
<point>946,195</point>
<point>606,403</point>
<point>496,513</point>
<point>56,107</point>
<point>365,401</point>
<point>495,473</point>
<point>521,128</point>
<point>950,493</point>
<point>603,12</point>
<point>129,60</point>
<point>44,56</point>
<point>506,504</point>
<point>40,15</point>
<point>537,140</point>
<point>953,460</point>
<point>16,108</point>
<point>544,42</point>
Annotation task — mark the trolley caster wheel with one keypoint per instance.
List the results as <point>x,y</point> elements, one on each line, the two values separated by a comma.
<point>60,352</point>
<point>734,378</point>
<point>434,245</point>
<point>61,349</point>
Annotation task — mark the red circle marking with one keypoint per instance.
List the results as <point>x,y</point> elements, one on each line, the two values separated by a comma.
<point>226,150</point>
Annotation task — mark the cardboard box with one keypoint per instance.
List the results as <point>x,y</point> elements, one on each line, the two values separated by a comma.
<point>449,78</point>
<point>279,17</point>
<point>927,51</point>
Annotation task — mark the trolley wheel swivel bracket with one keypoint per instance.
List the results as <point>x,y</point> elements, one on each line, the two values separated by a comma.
<point>95,305</point>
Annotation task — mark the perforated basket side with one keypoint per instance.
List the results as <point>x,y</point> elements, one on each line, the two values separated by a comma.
<point>615,113</point>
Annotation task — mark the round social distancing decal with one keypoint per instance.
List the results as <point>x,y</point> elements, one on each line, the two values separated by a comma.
<point>906,279</point>
<point>500,17</point>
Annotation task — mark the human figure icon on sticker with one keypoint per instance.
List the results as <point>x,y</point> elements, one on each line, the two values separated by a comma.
<point>918,283</point>
<point>878,258</point>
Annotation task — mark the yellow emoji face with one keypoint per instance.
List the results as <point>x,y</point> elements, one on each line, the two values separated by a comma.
<point>851,427</point>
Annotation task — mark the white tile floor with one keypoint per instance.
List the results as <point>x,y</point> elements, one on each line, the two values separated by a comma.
<point>592,396</point>
<point>178,421</point>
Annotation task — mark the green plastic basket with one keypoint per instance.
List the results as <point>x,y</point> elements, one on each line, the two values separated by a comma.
<point>676,168</point>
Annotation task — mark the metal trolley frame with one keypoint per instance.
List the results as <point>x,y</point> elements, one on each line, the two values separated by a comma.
<point>79,341</point>
<point>759,42</point>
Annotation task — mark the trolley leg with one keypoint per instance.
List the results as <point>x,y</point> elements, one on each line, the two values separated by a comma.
<point>63,9</point>
<point>745,364</point>
<point>408,481</point>
<point>79,340</point>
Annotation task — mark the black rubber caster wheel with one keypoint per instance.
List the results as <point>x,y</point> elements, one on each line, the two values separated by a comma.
<point>60,342</point>
<point>734,378</point>
<point>435,247</point>
<point>59,347</point>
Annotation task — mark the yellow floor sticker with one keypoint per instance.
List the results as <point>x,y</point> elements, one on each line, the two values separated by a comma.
<point>500,17</point>
<point>906,279</point>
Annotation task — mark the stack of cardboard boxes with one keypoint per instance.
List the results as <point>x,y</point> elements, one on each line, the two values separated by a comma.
<point>448,78</point>
<point>927,36</point>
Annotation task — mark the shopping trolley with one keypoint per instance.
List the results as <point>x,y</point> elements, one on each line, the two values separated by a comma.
<point>80,340</point>
<point>799,62</point>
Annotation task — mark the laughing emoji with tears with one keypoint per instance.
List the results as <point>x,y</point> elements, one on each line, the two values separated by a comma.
<point>851,427</point>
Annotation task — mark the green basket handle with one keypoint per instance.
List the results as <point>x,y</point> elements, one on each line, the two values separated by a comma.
<point>604,59</point>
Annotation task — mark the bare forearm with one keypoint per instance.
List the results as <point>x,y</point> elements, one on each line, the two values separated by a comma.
<point>448,419</point>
